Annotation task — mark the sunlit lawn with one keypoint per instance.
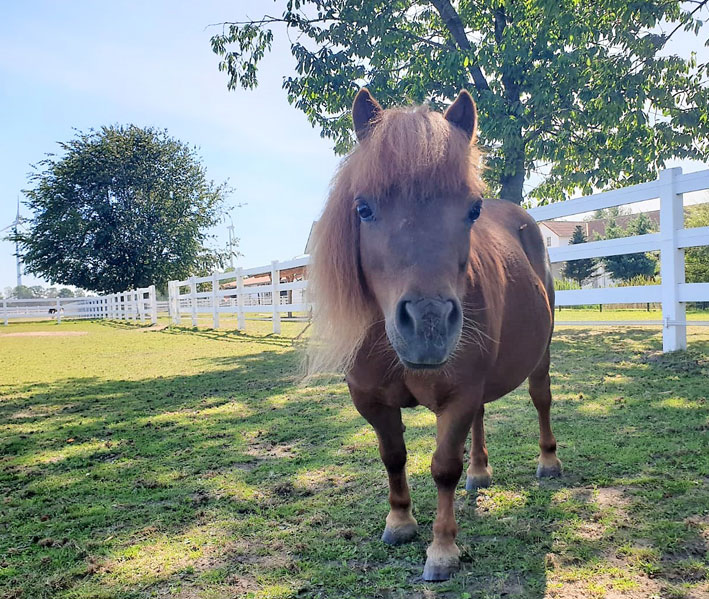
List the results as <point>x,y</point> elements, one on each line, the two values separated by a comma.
<point>190,463</point>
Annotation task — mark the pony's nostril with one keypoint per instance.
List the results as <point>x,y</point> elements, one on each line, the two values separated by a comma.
<point>453,314</point>
<point>405,317</point>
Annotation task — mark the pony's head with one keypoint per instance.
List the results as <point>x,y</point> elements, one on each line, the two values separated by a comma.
<point>393,242</point>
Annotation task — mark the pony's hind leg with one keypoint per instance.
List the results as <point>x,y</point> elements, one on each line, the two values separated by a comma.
<point>479,471</point>
<point>401,526</point>
<point>540,392</point>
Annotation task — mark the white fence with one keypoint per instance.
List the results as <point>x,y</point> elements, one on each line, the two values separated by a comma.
<point>191,297</point>
<point>139,304</point>
<point>671,241</point>
<point>252,291</point>
<point>241,292</point>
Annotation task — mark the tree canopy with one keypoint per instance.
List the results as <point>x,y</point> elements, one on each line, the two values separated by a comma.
<point>121,208</point>
<point>584,93</point>
<point>583,269</point>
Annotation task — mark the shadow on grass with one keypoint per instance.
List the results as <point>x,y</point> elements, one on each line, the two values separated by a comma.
<point>235,480</point>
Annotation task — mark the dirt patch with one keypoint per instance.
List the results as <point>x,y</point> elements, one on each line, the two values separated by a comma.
<point>46,334</point>
<point>605,586</point>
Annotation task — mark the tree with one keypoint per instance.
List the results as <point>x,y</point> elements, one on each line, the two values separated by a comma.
<point>697,259</point>
<point>65,292</point>
<point>582,269</point>
<point>585,91</point>
<point>23,292</point>
<point>124,207</point>
<point>628,266</point>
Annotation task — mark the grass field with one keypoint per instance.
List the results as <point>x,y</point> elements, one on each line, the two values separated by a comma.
<point>185,463</point>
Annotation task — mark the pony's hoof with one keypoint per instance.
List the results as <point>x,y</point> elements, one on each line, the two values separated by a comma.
<point>473,483</point>
<point>549,470</point>
<point>440,569</point>
<point>400,534</point>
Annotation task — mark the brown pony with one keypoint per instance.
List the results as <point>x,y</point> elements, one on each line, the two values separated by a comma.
<point>425,296</point>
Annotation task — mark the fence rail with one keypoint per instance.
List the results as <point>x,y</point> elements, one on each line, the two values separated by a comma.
<point>671,241</point>
<point>139,304</point>
<point>241,292</point>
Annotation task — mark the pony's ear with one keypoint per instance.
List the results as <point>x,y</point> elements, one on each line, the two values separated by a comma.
<point>463,114</point>
<point>365,112</point>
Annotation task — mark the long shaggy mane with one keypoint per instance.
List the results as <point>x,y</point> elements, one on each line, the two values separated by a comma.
<point>409,153</point>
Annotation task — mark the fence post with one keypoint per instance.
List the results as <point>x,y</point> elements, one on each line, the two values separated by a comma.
<point>178,303</point>
<point>193,300</point>
<point>215,300</point>
<point>4,310</point>
<point>59,311</point>
<point>140,302</point>
<point>674,332</point>
<point>170,308</point>
<point>241,324</point>
<point>153,301</point>
<point>276,296</point>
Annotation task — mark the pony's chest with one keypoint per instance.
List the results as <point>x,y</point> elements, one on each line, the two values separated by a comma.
<point>429,390</point>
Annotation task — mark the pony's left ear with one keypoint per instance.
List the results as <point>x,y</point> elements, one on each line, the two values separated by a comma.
<point>365,112</point>
<point>463,114</point>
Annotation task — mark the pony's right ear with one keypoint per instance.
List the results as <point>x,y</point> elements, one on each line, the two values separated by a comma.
<point>365,112</point>
<point>463,113</point>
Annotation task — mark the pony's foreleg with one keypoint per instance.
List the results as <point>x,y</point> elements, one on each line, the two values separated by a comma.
<point>540,392</point>
<point>401,526</point>
<point>453,425</point>
<point>479,472</point>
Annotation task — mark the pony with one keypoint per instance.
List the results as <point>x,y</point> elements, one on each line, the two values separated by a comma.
<point>427,294</point>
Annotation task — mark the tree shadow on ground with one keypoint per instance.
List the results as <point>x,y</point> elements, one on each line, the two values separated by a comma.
<point>238,480</point>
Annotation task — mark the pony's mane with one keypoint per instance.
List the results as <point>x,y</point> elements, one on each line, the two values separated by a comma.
<point>408,153</point>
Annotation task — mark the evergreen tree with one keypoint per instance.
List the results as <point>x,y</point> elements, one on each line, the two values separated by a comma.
<point>583,269</point>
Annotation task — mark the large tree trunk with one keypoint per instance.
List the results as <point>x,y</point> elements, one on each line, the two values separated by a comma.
<point>512,180</point>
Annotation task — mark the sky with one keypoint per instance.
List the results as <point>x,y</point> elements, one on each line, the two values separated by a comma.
<point>83,64</point>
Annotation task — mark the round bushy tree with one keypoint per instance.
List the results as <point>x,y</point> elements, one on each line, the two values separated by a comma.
<point>121,208</point>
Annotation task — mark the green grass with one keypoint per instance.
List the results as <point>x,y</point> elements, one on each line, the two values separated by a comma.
<point>185,463</point>
<point>566,314</point>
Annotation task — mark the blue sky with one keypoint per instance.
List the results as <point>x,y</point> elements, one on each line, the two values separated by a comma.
<point>83,64</point>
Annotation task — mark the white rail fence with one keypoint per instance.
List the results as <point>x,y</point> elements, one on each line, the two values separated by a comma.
<point>137,305</point>
<point>671,241</point>
<point>272,290</point>
<point>206,295</point>
<point>242,292</point>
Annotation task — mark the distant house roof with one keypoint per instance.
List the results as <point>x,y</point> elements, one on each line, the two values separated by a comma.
<point>564,228</point>
<point>597,226</point>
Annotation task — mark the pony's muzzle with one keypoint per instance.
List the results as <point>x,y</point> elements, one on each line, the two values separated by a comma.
<point>426,330</point>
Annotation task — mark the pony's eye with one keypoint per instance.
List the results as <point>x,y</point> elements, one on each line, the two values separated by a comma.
<point>474,211</point>
<point>364,211</point>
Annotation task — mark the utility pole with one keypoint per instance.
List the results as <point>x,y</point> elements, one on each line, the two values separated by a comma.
<point>231,242</point>
<point>15,226</point>
<point>17,245</point>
